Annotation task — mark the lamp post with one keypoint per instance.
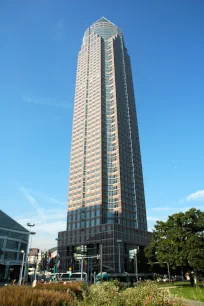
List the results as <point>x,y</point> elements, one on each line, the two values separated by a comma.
<point>35,276</point>
<point>56,264</point>
<point>83,252</point>
<point>101,259</point>
<point>136,270</point>
<point>119,259</point>
<point>26,261</point>
<point>82,268</point>
<point>21,271</point>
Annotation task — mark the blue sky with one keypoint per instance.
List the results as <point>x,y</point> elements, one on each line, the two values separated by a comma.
<point>39,42</point>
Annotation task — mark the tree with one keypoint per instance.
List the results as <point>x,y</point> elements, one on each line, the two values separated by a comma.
<point>179,241</point>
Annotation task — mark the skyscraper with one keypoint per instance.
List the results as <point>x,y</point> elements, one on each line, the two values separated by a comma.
<point>106,203</point>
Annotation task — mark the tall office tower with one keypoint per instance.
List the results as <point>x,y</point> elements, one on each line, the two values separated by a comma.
<point>106,203</point>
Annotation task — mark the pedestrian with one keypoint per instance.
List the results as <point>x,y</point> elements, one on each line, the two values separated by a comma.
<point>195,280</point>
<point>192,279</point>
<point>13,281</point>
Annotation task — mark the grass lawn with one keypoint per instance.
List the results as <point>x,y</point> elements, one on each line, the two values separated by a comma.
<point>184,290</point>
<point>188,292</point>
<point>180,283</point>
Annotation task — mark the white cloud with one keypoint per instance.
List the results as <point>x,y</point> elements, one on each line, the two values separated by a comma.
<point>162,208</point>
<point>162,212</point>
<point>45,101</point>
<point>48,222</point>
<point>196,196</point>
<point>31,200</point>
<point>152,219</point>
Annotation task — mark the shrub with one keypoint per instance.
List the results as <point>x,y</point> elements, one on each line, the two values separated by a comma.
<point>106,293</point>
<point>26,296</point>
<point>75,288</point>
<point>148,294</point>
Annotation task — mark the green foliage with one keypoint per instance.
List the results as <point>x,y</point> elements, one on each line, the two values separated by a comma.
<point>104,294</point>
<point>179,241</point>
<point>146,294</point>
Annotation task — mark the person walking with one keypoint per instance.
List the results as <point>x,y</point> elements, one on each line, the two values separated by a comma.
<point>192,279</point>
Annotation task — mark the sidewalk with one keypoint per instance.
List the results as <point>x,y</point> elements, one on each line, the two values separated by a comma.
<point>193,302</point>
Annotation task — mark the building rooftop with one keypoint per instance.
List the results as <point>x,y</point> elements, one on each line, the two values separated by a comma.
<point>33,251</point>
<point>104,28</point>
<point>9,223</point>
<point>103,19</point>
<point>52,250</point>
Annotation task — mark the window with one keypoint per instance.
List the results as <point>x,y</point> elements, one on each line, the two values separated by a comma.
<point>10,255</point>
<point>10,244</point>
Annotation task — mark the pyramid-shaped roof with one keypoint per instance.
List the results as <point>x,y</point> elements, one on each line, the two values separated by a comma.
<point>104,28</point>
<point>104,19</point>
<point>8,222</point>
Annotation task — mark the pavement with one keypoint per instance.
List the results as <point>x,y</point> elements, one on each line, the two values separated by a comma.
<point>193,302</point>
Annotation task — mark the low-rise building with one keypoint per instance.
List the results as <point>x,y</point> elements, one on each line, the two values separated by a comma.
<point>33,255</point>
<point>13,239</point>
<point>52,252</point>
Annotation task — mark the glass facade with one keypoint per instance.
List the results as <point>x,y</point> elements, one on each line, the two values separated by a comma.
<point>13,239</point>
<point>106,181</point>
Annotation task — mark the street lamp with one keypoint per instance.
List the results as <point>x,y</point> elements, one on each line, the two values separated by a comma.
<point>26,261</point>
<point>56,265</point>
<point>30,224</point>
<point>119,262</point>
<point>136,270</point>
<point>83,251</point>
<point>101,259</point>
<point>21,271</point>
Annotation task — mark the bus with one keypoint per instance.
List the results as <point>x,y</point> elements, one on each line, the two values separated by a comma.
<point>71,277</point>
<point>124,278</point>
<point>76,276</point>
